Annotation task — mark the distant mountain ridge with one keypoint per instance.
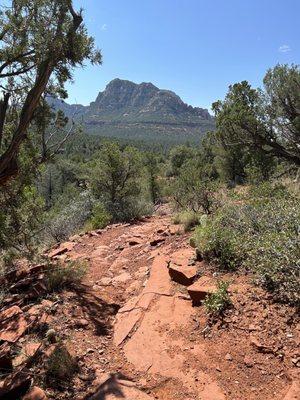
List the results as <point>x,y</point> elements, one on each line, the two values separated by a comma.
<point>143,111</point>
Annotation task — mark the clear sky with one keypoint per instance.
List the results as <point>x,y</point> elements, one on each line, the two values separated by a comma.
<point>194,47</point>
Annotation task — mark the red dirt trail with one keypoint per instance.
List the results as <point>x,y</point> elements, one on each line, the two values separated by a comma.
<point>138,336</point>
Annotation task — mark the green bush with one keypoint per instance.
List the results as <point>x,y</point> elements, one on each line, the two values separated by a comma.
<point>100,217</point>
<point>261,236</point>
<point>216,303</point>
<point>188,219</point>
<point>62,275</point>
<point>61,365</point>
<point>267,190</point>
<point>69,214</point>
<point>218,243</point>
<point>192,191</point>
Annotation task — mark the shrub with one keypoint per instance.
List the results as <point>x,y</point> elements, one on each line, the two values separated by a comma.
<point>62,275</point>
<point>192,191</point>
<point>188,219</point>
<point>116,180</point>
<point>100,217</point>
<point>61,365</point>
<point>261,236</point>
<point>216,303</point>
<point>267,190</point>
<point>64,221</point>
<point>218,244</point>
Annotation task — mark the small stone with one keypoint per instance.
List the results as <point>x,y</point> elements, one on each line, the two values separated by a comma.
<point>86,377</point>
<point>228,357</point>
<point>81,323</point>
<point>248,362</point>
<point>35,394</point>
<point>89,351</point>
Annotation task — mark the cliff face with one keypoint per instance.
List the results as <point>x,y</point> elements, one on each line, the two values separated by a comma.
<point>125,105</point>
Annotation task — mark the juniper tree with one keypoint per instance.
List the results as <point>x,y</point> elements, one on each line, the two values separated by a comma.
<point>42,41</point>
<point>263,120</point>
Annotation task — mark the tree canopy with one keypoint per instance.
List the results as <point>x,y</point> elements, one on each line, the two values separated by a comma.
<point>268,120</point>
<point>41,43</point>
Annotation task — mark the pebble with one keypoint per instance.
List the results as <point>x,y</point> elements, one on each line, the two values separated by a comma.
<point>228,357</point>
<point>90,351</point>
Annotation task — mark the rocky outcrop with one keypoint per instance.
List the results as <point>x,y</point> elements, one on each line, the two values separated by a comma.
<point>125,106</point>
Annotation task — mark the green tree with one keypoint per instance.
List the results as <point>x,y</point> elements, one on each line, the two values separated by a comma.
<point>178,156</point>
<point>115,178</point>
<point>152,171</point>
<point>21,208</point>
<point>42,41</point>
<point>263,120</point>
<point>192,190</point>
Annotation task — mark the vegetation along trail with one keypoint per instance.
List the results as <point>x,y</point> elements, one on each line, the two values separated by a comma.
<point>136,333</point>
<point>149,247</point>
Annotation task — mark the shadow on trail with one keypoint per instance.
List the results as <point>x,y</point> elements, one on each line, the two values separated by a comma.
<point>99,311</point>
<point>111,386</point>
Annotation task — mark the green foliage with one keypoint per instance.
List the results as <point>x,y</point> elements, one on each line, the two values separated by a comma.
<point>116,181</point>
<point>100,217</point>
<point>216,303</point>
<point>262,236</point>
<point>218,244</point>
<point>61,366</point>
<point>63,275</point>
<point>40,47</point>
<point>262,122</point>
<point>188,219</point>
<point>152,171</point>
<point>21,208</point>
<point>178,156</point>
<point>193,191</point>
<point>267,190</point>
<point>70,212</point>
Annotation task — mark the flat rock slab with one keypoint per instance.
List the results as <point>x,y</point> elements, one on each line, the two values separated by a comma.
<point>12,324</point>
<point>133,311</point>
<point>200,289</point>
<point>159,280</point>
<point>125,324</point>
<point>148,348</point>
<point>182,257</point>
<point>122,278</point>
<point>154,349</point>
<point>61,249</point>
<point>183,275</point>
<point>100,251</point>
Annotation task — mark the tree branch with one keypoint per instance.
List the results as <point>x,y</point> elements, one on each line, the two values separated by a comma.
<point>8,163</point>
<point>3,109</point>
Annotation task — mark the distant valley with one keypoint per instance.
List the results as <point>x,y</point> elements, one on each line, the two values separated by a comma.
<point>139,111</point>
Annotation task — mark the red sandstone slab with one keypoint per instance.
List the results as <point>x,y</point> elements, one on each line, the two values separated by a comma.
<point>61,249</point>
<point>183,275</point>
<point>200,289</point>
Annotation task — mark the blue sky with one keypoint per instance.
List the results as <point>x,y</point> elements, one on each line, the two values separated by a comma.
<point>194,47</point>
